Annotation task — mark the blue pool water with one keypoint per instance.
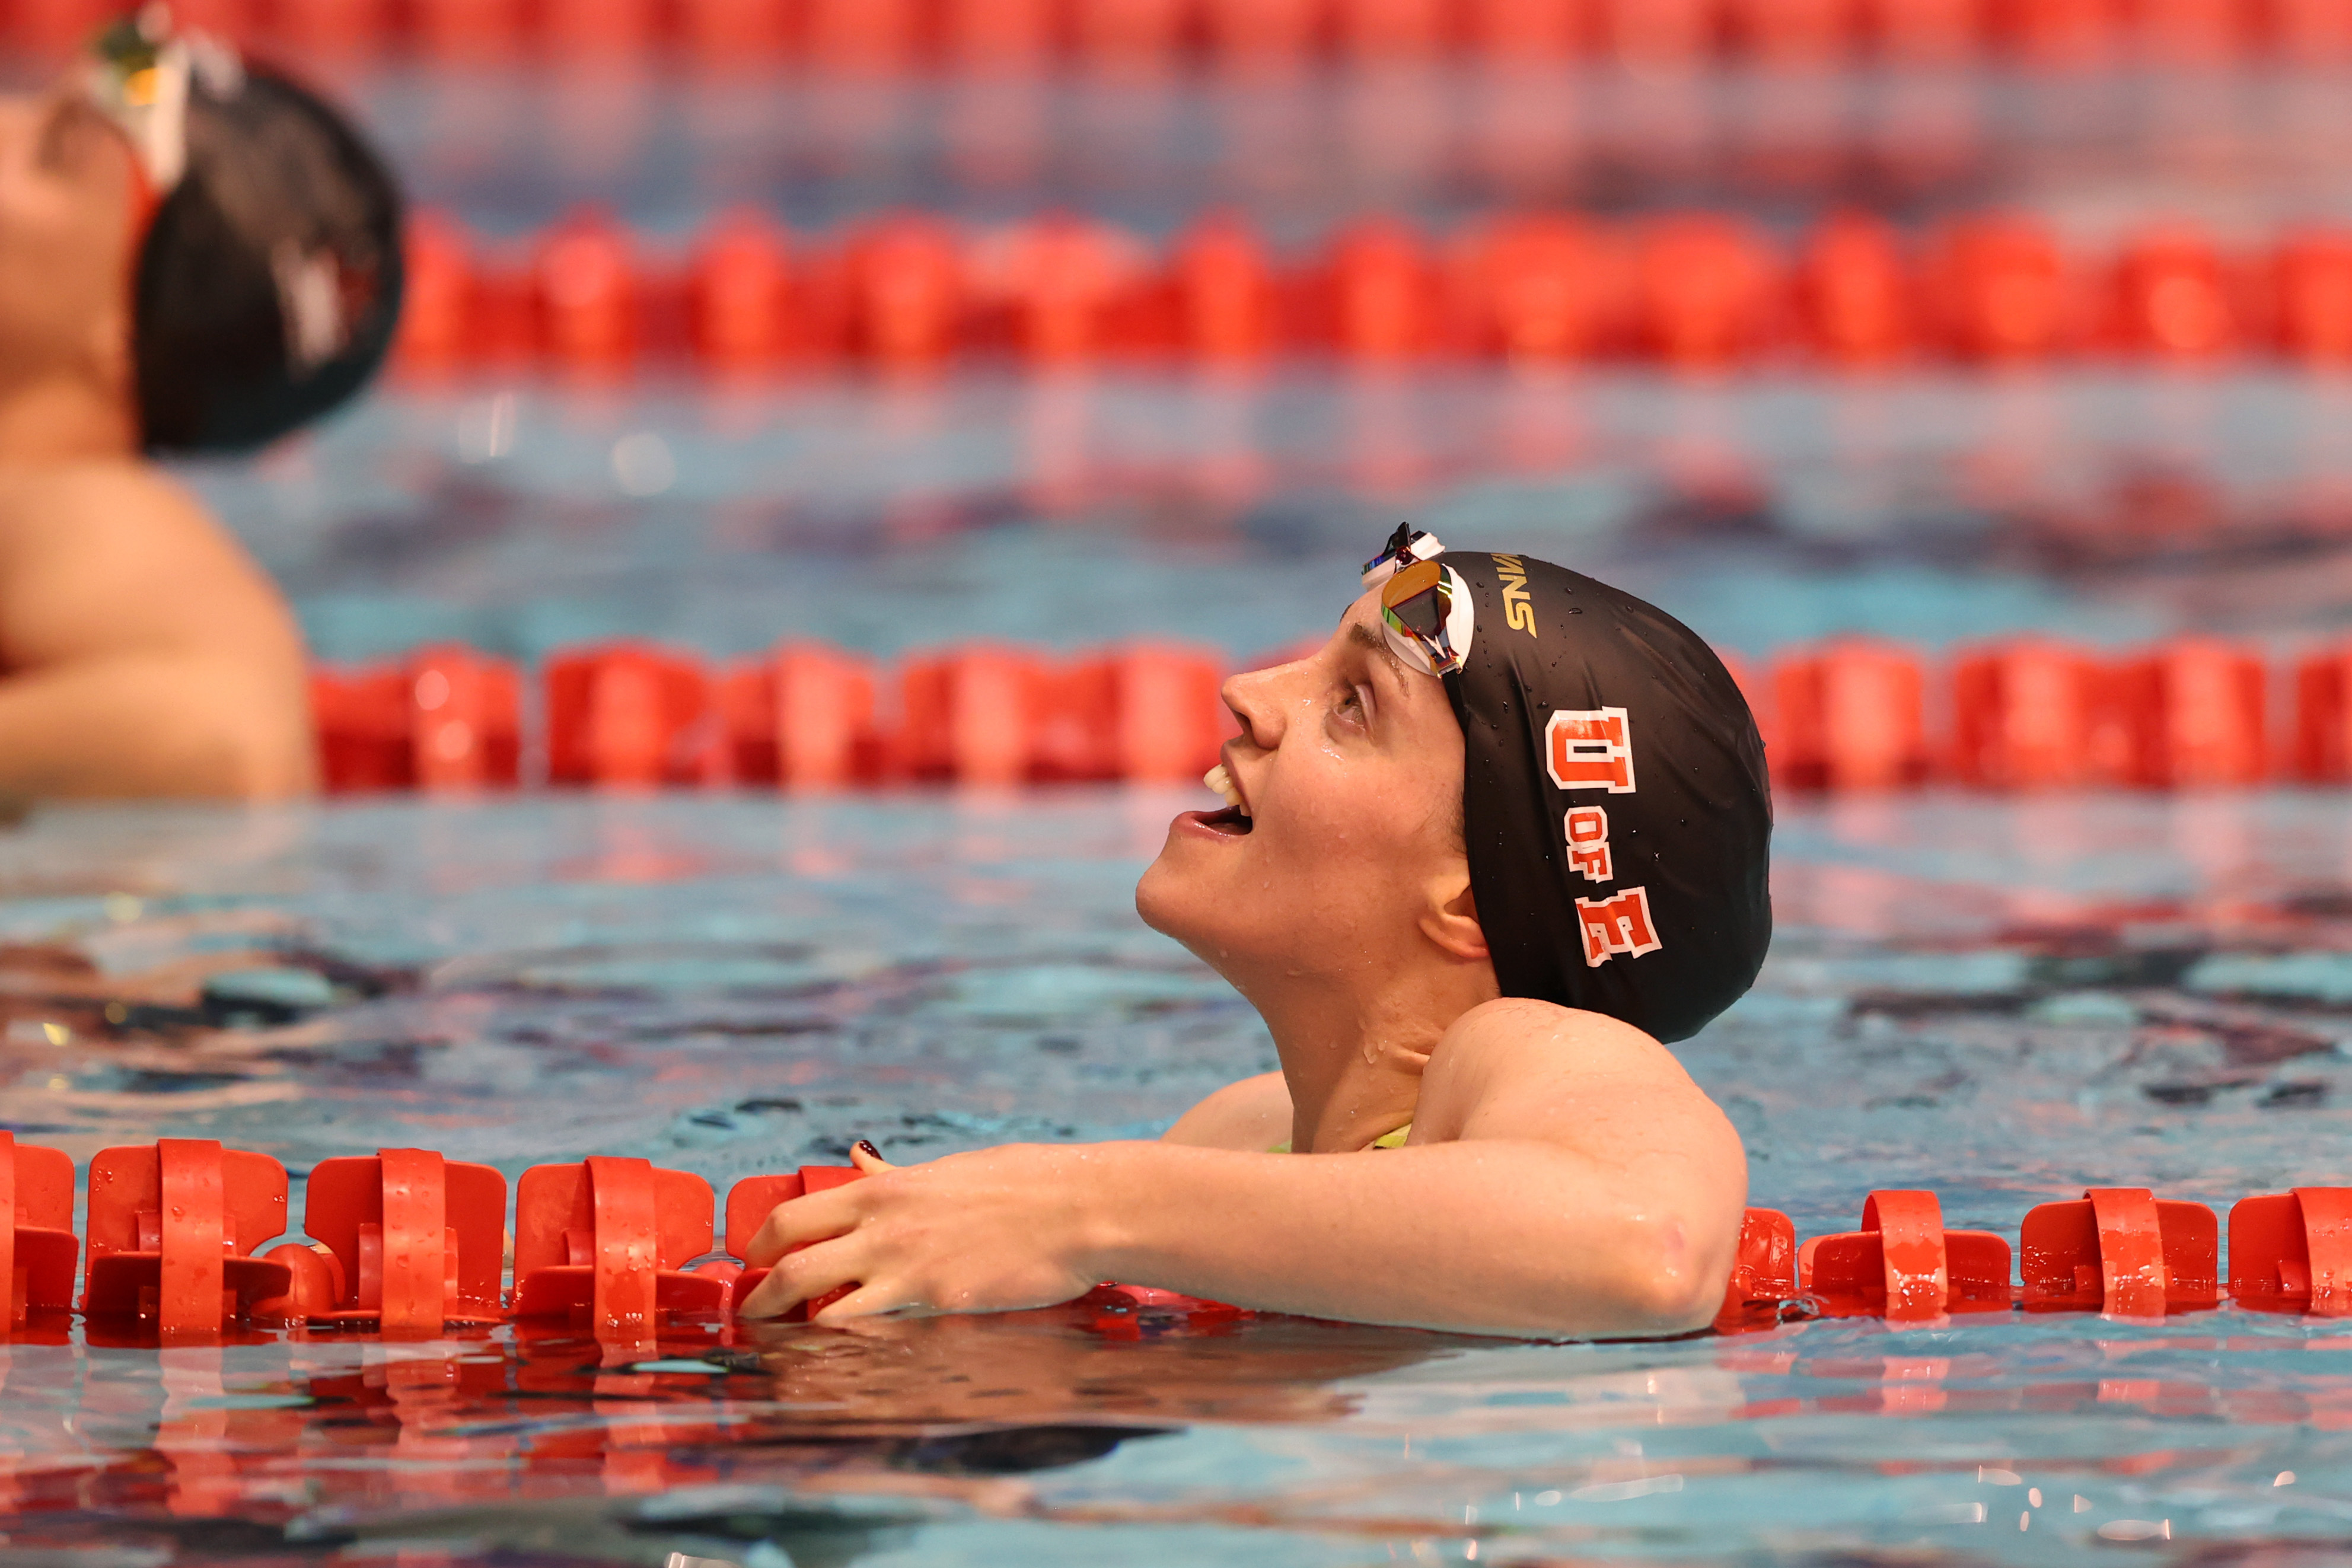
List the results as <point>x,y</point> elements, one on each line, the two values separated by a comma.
<point>2005,1001</point>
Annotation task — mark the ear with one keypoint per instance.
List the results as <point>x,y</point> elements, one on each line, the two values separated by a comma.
<point>1450,918</point>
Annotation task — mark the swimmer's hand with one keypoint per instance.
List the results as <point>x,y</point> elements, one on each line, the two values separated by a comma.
<point>1000,1230</point>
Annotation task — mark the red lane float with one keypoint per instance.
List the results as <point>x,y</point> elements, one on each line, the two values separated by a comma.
<point>407,1240</point>
<point>2120,1252</point>
<point>1763,1273</point>
<point>172,1228</point>
<point>2197,711</point>
<point>448,719</point>
<point>1851,717</point>
<point>630,715</point>
<point>749,1203</point>
<point>1703,293</point>
<point>39,1249</point>
<point>1904,1266</point>
<point>2028,715</point>
<point>2292,1252</point>
<point>603,1245</point>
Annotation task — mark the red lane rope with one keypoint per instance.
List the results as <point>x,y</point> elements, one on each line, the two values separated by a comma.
<point>2021,714</point>
<point>1698,292</point>
<point>609,1245</point>
<point>883,35</point>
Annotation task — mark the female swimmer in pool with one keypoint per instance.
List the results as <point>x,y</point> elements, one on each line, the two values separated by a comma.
<point>1503,834</point>
<point>195,256</point>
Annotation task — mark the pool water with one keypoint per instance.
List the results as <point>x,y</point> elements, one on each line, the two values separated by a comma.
<point>2004,1001</point>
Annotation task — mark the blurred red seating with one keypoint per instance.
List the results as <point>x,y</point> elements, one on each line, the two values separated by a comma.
<point>2005,289</point>
<point>1544,286</point>
<point>2118,1251</point>
<point>1709,287</point>
<point>1225,291</point>
<point>1904,1266</point>
<point>605,1245</point>
<point>171,1228</point>
<point>585,273</point>
<point>618,29</point>
<point>1381,293</point>
<point>2323,717</point>
<point>404,1240</point>
<point>37,1244</point>
<point>2196,708</point>
<point>804,718</point>
<point>907,290</point>
<point>1856,290</point>
<point>2314,284</point>
<point>740,294</point>
<point>2292,1252</point>
<point>734,32</point>
<point>2173,297</point>
<point>2030,714</point>
<point>1850,717</point>
<point>630,715</point>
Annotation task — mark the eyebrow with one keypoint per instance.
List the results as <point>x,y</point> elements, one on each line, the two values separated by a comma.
<point>1363,637</point>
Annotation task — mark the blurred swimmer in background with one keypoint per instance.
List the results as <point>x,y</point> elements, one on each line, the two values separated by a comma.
<point>1483,857</point>
<point>196,255</point>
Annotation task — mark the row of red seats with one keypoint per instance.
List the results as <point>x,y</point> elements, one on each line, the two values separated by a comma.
<point>1701,291</point>
<point>2024,714</point>
<point>407,1243</point>
<point>803,717</point>
<point>869,34</point>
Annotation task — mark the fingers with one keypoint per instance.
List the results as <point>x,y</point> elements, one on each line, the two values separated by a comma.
<point>804,1276</point>
<point>820,1216</point>
<point>869,1159</point>
<point>876,1300</point>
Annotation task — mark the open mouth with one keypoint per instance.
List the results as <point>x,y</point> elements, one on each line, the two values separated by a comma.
<point>1232,820</point>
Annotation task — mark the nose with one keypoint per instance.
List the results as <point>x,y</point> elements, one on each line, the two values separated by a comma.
<point>1254,697</point>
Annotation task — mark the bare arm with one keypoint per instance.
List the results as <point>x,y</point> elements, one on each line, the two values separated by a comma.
<point>144,653</point>
<point>1565,1177</point>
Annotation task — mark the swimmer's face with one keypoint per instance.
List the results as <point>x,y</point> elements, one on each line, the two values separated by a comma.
<point>67,186</point>
<point>1349,769</point>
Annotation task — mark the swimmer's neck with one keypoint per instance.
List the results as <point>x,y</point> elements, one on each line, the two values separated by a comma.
<point>55,421</point>
<point>1353,1062</point>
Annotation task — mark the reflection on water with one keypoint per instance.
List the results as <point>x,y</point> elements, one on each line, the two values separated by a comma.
<point>2005,1000</point>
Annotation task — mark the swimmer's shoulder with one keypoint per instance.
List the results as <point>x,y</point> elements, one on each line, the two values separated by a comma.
<point>1501,1064</point>
<point>1252,1115</point>
<point>63,500</point>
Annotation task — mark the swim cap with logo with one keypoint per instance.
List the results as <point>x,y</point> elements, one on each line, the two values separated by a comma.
<point>268,282</point>
<point>1615,805</point>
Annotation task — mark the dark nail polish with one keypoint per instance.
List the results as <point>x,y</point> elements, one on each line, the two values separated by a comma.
<point>865,1146</point>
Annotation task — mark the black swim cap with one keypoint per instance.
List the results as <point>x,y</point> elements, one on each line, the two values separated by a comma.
<point>1615,805</point>
<point>270,280</point>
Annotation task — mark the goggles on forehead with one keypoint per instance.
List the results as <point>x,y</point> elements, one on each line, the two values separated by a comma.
<point>141,74</point>
<point>1426,609</point>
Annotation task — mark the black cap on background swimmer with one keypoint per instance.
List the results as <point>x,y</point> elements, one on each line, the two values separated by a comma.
<point>1616,804</point>
<point>269,283</point>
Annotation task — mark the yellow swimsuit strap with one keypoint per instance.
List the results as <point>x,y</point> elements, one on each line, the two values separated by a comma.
<point>1385,1141</point>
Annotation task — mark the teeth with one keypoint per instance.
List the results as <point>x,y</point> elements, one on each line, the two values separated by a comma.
<point>1222,782</point>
